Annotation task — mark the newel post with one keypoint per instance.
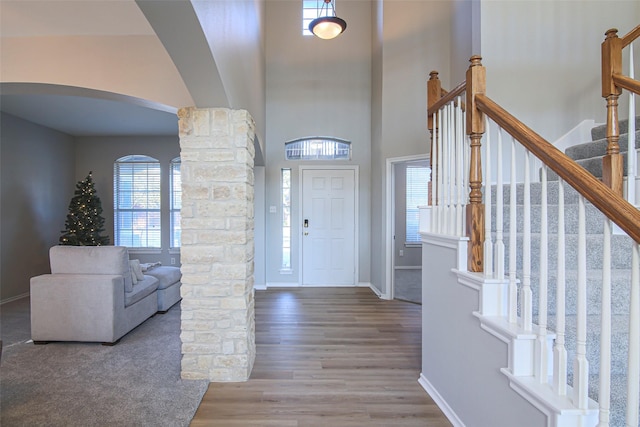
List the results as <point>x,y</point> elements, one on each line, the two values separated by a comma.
<point>612,163</point>
<point>434,93</point>
<point>476,83</point>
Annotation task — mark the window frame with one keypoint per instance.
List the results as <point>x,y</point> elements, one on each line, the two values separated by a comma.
<point>151,173</point>
<point>412,215</point>
<point>285,204</point>
<point>175,204</point>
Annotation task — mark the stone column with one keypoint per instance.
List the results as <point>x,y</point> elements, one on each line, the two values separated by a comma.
<point>218,323</point>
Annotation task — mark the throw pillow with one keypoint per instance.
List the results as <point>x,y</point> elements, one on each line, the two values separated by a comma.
<point>134,277</point>
<point>137,269</point>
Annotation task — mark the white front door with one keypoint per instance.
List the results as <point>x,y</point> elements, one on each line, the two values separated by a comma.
<point>328,227</point>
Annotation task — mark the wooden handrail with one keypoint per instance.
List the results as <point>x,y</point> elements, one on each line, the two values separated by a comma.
<point>630,36</point>
<point>627,83</point>
<point>450,96</point>
<point>616,208</point>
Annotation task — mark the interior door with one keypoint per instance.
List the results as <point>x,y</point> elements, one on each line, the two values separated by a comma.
<point>328,227</point>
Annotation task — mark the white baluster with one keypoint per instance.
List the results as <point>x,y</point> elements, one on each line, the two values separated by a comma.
<point>559,350</point>
<point>434,176</point>
<point>633,375</point>
<point>452,170</point>
<point>499,246</point>
<point>527,303</point>
<point>488,246</point>
<point>581,364</point>
<point>541,345</point>
<point>632,159</point>
<point>446,163</point>
<point>462,189</point>
<point>440,172</point>
<point>513,230</point>
<point>604,391</point>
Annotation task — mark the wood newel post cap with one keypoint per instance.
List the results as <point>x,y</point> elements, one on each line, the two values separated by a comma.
<point>433,75</point>
<point>475,60</point>
<point>611,33</point>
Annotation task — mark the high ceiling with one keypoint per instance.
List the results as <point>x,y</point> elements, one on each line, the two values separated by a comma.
<point>69,110</point>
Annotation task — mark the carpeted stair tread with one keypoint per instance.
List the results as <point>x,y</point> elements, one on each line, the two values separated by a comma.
<point>600,132</point>
<point>599,147</point>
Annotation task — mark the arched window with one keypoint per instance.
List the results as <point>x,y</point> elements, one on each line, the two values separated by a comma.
<point>175,203</point>
<point>318,148</point>
<point>136,193</point>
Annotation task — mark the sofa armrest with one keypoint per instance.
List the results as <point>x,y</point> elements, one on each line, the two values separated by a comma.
<point>76,307</point>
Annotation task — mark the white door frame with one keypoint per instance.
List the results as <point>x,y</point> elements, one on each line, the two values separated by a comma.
<point>356,195</point>
<point>391,218</point>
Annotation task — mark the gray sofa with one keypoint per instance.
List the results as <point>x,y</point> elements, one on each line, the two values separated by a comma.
<point>90,295</point>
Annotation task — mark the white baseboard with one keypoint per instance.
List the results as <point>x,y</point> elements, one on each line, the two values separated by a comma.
<point>374,289</point>
<point>260,287</point>
<point>439,400</point>
<point>17,297</point>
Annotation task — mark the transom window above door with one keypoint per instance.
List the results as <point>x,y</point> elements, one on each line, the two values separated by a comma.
<point>318,148</point>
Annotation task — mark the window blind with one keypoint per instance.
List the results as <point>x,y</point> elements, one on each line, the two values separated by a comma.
<point>176,203</point>
<point>137,202</point>
<point>417,193</point>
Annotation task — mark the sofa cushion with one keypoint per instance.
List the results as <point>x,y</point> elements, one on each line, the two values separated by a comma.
<point>143,288</point>
<point>167,276</point>
<point>92,260</point>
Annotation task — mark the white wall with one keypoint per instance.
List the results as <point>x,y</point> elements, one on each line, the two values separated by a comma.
<point>137,66</point>
<point>315,88</point>
<point>236,34</point>
<point>36,184</point>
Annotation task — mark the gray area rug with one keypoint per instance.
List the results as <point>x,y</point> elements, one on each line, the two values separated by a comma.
<point>134,383</point>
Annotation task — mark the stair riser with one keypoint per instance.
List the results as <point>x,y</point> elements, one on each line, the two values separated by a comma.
<point>620,285</point>
<point>620,252</point>
<point>594,219</point>
<point>570,195</point>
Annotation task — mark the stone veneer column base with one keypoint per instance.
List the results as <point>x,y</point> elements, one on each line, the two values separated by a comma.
<point>218,320</point>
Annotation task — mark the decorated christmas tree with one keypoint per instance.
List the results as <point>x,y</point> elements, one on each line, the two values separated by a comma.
<point>84,223</point>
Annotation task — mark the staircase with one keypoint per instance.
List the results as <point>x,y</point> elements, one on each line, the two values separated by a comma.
<point>621,264</point>
<point>589,155</point>
<point>553,273</point>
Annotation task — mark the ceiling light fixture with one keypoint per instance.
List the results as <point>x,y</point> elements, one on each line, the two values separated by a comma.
<point>327,25</point>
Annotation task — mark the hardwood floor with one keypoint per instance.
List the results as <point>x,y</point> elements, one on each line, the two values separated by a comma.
<point>335,357</point>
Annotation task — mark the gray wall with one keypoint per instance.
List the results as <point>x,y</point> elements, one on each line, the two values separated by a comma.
<point>411,39</point>
<point>543,58</point>
<point>36,184</point>
<point>460,359</point>
<point>98,154</point>
<point>315,88</point>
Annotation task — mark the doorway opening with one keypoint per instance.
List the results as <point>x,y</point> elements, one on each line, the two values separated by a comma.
<point>407,188</point>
